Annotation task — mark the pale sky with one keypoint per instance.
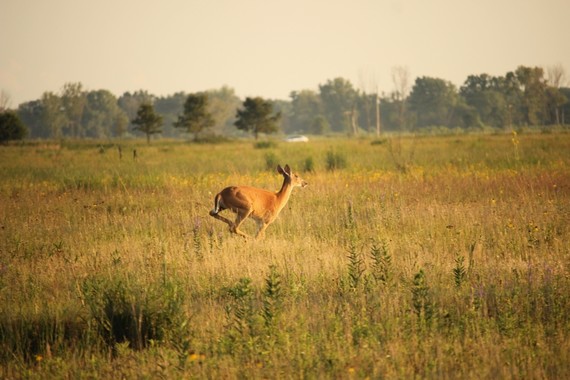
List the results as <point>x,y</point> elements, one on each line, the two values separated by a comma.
<point>269,48</point>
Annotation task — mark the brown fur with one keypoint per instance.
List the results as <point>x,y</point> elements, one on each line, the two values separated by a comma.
<point>261,205</point>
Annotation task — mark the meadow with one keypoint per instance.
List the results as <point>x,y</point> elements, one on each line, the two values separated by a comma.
<point>406,257</point>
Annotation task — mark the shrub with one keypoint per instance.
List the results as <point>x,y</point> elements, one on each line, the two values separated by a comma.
<point>271,161</point>
<point>265,144</point>
<point>125,310</point>
<point>309,165</point>
<point>11,127</point>
<point>379,142</point>
<point>335,160</point>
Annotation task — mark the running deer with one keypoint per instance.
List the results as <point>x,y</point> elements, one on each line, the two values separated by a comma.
<point>263,206</point>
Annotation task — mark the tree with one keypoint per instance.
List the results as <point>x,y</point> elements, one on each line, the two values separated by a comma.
<point>401,81</point>
<point>53,116</point>
<point>510,89</point>
<point>11,127</point>
<point>169,108</point>
<point>320,125</point>
<point>339,99</point>
<point>556,75</point>
<point>490,104</point>
<point>120,123</point>
<point>196,117</point>
<point>390,112</point>
<point>283,108</point>
<point>555,99</point>
<point>533,86</point>
<point>556,78</point>
<point>4,101</point>
<point>222,104</point>
<point>369,102</point>
<point>256,117</point>
<point>433,100</point>
<point>147,121</point>
<point>565,109</point>
<point>31,114</point>
<point>130,103</point>
<point>74,100</point>
<point>102,116</point>
<point>305,107</point>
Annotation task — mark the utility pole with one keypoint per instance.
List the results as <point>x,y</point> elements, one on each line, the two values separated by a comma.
<point>378,126</point>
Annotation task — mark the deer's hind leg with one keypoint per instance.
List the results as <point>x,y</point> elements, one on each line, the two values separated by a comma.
<point>242,214</point>
<point>225,220</point>
<point>215,212</point>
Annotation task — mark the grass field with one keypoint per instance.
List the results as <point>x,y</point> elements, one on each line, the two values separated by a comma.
<point>426,257</point>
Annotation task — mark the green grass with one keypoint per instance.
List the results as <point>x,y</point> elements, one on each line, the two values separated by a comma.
<point>429,257</point>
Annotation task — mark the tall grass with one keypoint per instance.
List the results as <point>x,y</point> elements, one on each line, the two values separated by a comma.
<point>456,267</point>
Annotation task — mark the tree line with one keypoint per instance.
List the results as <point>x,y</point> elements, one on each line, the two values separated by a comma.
<point>527,96</point>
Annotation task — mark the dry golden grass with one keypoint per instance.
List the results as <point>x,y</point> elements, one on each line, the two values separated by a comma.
<point>75,216</point>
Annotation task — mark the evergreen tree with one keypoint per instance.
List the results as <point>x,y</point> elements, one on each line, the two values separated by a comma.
<point>196,117</point>
<point>11,127</point>
<point>147,121</point>
<point>256,117</point>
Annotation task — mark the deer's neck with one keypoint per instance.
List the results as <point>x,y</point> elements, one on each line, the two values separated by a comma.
<point>284,194</point>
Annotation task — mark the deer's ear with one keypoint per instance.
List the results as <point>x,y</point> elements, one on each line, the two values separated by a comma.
<point>287,169</point>
<point>280,170</point>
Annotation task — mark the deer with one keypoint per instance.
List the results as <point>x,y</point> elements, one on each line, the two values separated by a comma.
<point>263,206</point>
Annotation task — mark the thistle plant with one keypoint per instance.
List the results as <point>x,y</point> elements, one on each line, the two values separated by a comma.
<point>272,299</point>
<point>355,266</point>
<point>421,299</point>
<point>381,262</point>
<point>459,271</point>
<point>240,314</point>
<point>197,239</point>
<point>355,260</point>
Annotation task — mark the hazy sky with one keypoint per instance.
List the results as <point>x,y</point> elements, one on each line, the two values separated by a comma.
<point>269,48</point>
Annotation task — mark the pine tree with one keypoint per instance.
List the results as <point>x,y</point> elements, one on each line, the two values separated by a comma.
<point>196,117</point>
<point>11,127</point>
<point>147,121</point>
<point>256,117</point>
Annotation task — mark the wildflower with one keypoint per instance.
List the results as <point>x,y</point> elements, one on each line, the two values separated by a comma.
<point>514,139</point>
<point>39,358</point>
<point>196,357</point>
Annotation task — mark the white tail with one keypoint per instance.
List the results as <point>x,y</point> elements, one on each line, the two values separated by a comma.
<point>249,202</point>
